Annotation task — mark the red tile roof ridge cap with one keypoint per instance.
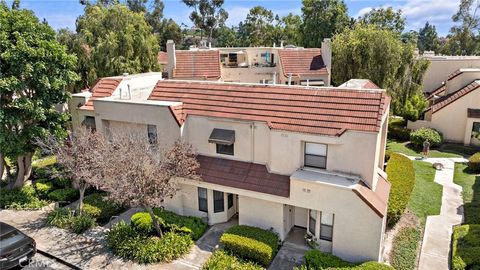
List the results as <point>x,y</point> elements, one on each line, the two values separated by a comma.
<point>454,96</point>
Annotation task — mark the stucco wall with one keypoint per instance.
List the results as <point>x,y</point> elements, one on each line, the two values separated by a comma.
<point>261,213</point>
<point>249,75</point>
<point>439,70</point>
<point>461,81</point>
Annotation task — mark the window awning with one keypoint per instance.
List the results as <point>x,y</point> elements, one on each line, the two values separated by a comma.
<point>222,136</point>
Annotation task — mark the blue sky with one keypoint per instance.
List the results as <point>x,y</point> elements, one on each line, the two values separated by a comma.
<point>62,13</point>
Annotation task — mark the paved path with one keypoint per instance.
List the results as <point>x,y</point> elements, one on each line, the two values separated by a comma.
<point>292,251</point>
<point>438,229</point>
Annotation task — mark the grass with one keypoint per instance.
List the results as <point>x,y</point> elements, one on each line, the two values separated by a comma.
<point>447,151</point>
<point>426,198</point>
<point>471,192</point>
<point>405,245</point>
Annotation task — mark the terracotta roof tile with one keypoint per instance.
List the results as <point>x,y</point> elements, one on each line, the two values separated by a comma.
<point>244,175</point>
<point>302,62</point>
<point>326,111</point>
<point>473,113</point>
<point>197,64</point>
<point>454,74</point>
<point>437,92</point>
<point>378,199</point>
<point>103,88</point>
<point>449,99</point>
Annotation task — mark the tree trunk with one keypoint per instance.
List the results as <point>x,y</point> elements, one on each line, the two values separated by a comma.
<point>2,166</point>
<point>154,220</point>
<point>24,169</point>
<point>81,190</point>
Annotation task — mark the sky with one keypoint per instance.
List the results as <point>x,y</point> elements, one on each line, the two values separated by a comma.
<point>63,13</point>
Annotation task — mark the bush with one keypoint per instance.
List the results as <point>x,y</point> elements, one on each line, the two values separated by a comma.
<point>315,259</point>
<point>61,182</point>
<point>44,162</point>
<point>82,223</point>
<point>397,129</point>
<point>100,208</point>
<point>466,247</point>
<point>128,243</point>
<point>222,260</point>
<point>24,198</point>
<point>64,218</point>
<point>418,137</point>
<point>474,163</point>
<point>404,251</point>
<point>401,175</point>
<point>374,266</point>
<point>251,243</point>
<point>63,195</point>
<point>43,188</point>
<point>169,221</point>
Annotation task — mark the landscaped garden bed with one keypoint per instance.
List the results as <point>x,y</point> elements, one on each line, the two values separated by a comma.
<point>223,260</point>
<point>317,260</point>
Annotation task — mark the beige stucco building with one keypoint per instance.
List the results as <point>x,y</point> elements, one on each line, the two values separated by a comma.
<point>278,156</point>
<point>455,107</point>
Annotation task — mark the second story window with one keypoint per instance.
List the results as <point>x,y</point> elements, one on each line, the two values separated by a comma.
<point>152,134</point>
<point>315,155</point>
<point>224,140</point>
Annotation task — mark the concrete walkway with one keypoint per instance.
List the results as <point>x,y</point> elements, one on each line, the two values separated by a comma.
<point>292,251</point>
<point>435,252</point>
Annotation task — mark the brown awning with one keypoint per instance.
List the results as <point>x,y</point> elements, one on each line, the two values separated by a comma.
<point>222,136</point>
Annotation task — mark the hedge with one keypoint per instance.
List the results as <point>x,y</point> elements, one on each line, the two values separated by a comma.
<point>128,243</point>
<point>401,175</point>
<point>43,188</point>
<point>64,195</point>
<point>222,260</point>
<point>193,226</point>
<point>418,137</point>
<point>474,163</point>
<point>24,198</point>
<point>100,208</point>
<point>404,250</point>
<point>317,260</point>
<point>251,243</point>
<point>466,247</point>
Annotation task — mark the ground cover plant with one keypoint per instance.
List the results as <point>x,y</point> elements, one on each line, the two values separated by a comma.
<point>317,260</point>
<point>223,260</point>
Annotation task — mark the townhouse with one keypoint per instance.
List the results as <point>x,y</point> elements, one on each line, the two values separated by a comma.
<point>454,107</point>
<point>276,156</point>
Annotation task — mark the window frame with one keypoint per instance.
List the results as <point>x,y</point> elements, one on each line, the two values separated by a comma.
<point>326,225</point>
<point>220,151</point>
<point>310,221</point>
<point>305,154</point>
<point>200,208</point>
<point>218,200</point>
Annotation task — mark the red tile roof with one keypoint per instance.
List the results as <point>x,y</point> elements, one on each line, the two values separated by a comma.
<point>377,200</point>
<point>449,99</point>
<point>473,113</point>
<point>244,175</point>
<point>103,88</point>
<point>326,111</point>
<point>197,64</point>
<point>437,92</point>
<point>302,62</point>
<point>454,74</point>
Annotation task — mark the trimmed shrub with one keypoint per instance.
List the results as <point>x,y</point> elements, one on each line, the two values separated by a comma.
<point>315,259</point>
<point>24,198</point>
<point>404,251</point>
<point>82,223</point>
<point>374,266</point>
<point>170,221</point>
<point>251,243</point>
<point>128,243</point>
<point>44,162</point>
<point>474,163</point>
<point>222,260</point>
<point>418,137</point>
<point>401,175</point>
<point>100,208</point>
<point>466,247</point>
<point>64,218</point>
<point>43,188</point>
<point>63,195</point>
<point>61,182</point>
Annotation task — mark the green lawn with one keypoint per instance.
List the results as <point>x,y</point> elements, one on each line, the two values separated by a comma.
<point>471,192</point>
<point>426,198</point>
<point>447,151</point>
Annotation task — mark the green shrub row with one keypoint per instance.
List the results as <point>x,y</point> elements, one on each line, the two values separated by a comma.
<point>474,163</point>
<point>170,221</point>
<point>317,260</point>
<point>466,247</point>
<point>251,243</point>
<point>401,175</point>
<point>100,208</point>
<point>128,243</point>
<point>222,260</point>
<point>64,218</point>
<point>404,251</point>
<point>24,198</point>
<point>418,137</point>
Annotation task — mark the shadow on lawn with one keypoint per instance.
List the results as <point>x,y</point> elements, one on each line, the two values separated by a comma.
<point>472,209</point>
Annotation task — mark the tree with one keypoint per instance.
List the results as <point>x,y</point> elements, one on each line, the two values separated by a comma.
<point>139,174</point>
<point>291,25</point>
<point>170,31</point>
<point>379,55</point>
<point>114,40</point>
<point>428,39</point>
<point>385,18</point>
<point>257,28</point>
<point>322,19</point>
<point>226,37</point>
<point>81,158</point>
<point>207,15</point>
<point>34,71</point>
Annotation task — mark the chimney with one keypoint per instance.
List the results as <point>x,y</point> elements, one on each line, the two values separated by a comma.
<point>327,57</point>
<point>172,62</point>
<point>274,78</point>
<point>281,44</point>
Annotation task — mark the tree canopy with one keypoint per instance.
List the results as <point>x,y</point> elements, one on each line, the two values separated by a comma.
<point>207,15</point>
<point>385,18</point>
<point>428,39</point>
<point>35,69</point>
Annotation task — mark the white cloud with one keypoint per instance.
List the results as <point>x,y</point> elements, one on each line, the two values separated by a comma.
<point>236,15</point>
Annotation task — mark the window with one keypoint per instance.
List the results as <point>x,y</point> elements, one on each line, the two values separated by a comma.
<point>225,149</point>
<point>202,199</point>
<point>218,203</point>
<point>315,155</point>
<point>326,226</point>
<point>312,221</point>
<point>152,134</point>
<point>89,123</point>
<point>476,130</point>
<point>230,200</point>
